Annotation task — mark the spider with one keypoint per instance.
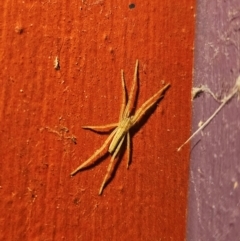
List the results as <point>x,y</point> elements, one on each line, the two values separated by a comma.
<point>121,128</point>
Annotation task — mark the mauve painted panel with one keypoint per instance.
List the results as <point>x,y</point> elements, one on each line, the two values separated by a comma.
<point>214,195</point>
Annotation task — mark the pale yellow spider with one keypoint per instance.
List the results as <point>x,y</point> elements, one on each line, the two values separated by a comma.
<point>121,131</point>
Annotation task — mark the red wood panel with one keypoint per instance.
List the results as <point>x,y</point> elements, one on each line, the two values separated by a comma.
<point>42,109</point>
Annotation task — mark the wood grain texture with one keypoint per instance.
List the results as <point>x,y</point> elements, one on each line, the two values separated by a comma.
<point>215,168</point>
<point>42,110</point>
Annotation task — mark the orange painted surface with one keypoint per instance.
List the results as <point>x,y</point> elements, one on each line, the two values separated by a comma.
<point>42,109</point>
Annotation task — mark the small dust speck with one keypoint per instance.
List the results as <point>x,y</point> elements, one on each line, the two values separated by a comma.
<point>56,63</point>
<point>200,123</point>
<point>19,29</point>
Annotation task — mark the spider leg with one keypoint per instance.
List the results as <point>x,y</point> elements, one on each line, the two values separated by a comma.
<point>110,166</point>
<point>104,128</point>
<point>148,104</point>
<point>133,92</point>
<point>97,154</point>
<point>124,96</point>
<point>128,149</point>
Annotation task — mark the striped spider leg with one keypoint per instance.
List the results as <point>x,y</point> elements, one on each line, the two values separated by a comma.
<point>121,129</point>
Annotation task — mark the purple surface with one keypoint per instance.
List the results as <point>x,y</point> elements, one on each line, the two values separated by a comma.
<point>214,189</point>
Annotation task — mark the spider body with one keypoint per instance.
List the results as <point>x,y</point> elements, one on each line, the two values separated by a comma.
<point>121,129</point>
